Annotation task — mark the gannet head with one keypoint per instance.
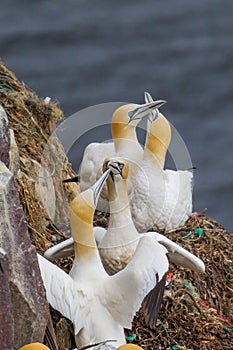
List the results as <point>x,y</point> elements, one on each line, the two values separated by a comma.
<point>158,138</point>
<point>128,116</point>
<point>144,110</point>
<point>118,167</point>
<point>34,346</point>
<point>117,183</point>
<point>84,204</point>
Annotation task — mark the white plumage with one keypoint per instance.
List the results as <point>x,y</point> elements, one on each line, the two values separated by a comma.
<point>121,242</point>
<point>162,198</point>
<point>99,305</point>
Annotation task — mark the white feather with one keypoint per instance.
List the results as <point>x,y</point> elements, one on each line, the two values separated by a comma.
<point>162,198</point>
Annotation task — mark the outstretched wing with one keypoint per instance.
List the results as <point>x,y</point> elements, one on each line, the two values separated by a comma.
<point>125,291</point>
<point>61,291</point>
<point>66,248</point>
<point>60,250</point>
<point>177,254</point>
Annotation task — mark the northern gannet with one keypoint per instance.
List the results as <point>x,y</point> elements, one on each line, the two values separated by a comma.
<point>162,198</point>
<point>100,306</point>
<point>124,122</point>
<point>122,239</point>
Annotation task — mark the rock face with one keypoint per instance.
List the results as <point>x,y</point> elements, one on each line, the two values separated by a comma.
<point>4,137</point>
<point>6,314</point>
<point>24,310</point>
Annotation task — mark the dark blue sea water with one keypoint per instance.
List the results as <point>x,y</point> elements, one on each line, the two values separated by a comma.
<point>83,53</point>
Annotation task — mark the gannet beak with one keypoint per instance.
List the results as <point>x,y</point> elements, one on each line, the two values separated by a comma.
<point>97,187</point>
<point>72,179</point>
<point>148,98</point>
<point>144,110</point>
<point>115,167</point>
<point>153,114</point>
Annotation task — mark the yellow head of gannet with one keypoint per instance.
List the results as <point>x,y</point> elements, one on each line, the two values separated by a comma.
<point>158,139</point>
<point>34,346</point>
<point>125,143</point>
<point>126,118</point>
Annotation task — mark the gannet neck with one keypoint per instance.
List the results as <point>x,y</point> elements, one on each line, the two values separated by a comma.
<point>81,220</point>
<point>118,202</point>
<point>158,140</point>
<point>121,128</point>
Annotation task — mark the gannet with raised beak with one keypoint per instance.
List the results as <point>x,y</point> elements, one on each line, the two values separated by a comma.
<point>121,240</point>
<point>125,143</point>
<point>100,306</point>
<point>162,198</point>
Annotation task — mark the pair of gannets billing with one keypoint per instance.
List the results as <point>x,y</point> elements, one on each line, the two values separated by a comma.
<point>159,199</point>
<point>39,346</point>
<point>121,241</point>
<point>100,306</point>
<point>125,143</point>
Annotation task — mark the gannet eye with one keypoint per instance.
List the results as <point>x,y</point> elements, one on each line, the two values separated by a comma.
<point>121,165</point>
<point>105,166</point>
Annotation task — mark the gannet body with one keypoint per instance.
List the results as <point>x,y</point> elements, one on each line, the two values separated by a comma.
<point>121,240</point>
<point>124,122</point>
<point>100,306</point>
<point>162,198</point>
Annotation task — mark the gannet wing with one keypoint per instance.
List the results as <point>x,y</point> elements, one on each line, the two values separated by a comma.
<point>61,292</point>
<point>66,248</point>
<point>125,291</point>
<point>152,303</point>
<point>177,254</point>
<point>60,250</point>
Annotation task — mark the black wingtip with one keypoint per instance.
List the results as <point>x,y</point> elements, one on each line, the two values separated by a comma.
<point>152,303</point>
<point>50,336</point>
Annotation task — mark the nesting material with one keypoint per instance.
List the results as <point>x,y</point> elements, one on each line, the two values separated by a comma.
<point>197,312</point>
<point>42,163</point>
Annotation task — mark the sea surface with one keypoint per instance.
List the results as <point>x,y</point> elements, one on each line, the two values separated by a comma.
<point>83,53</point>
